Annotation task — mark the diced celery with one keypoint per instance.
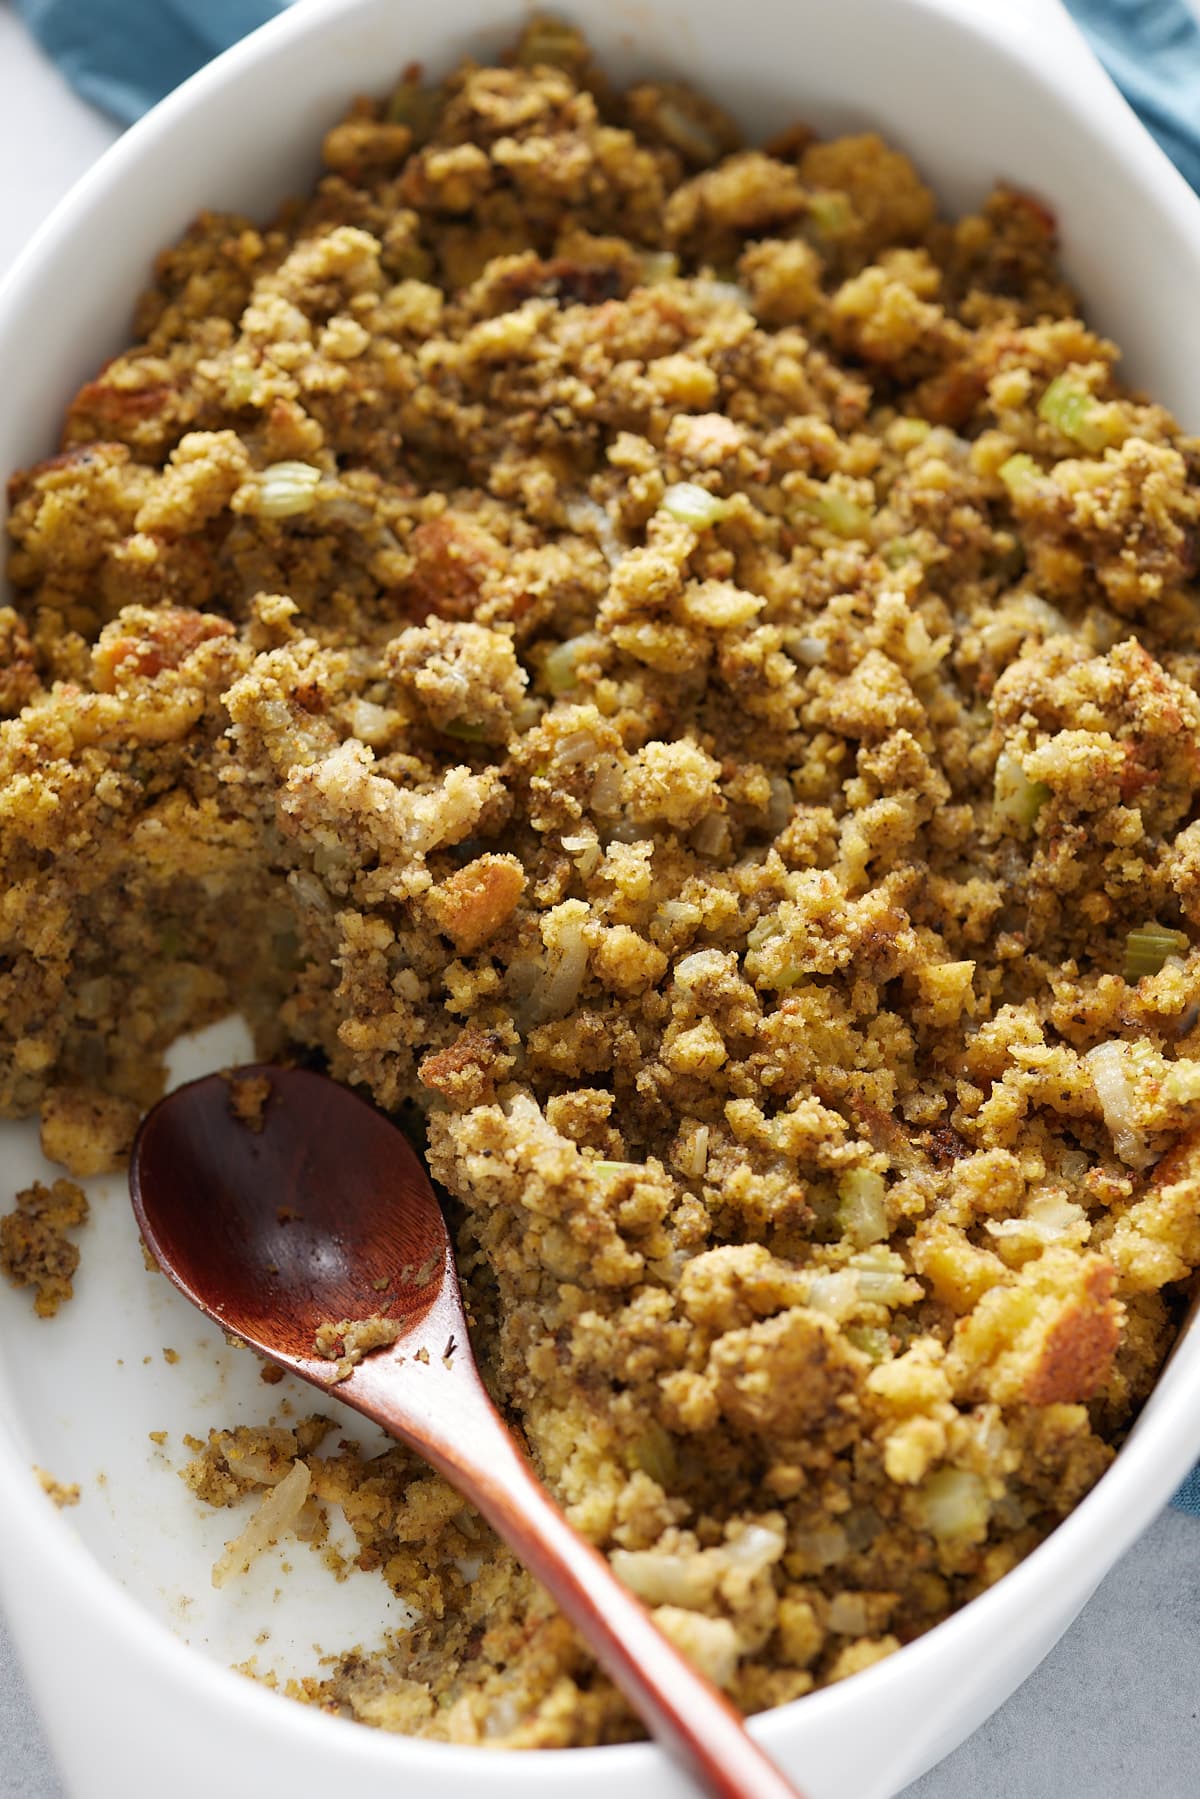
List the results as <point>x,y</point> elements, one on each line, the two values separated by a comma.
<point>560,669</point>
<point>1071,409</point>
<point>654,1453</point>
<point>692,505</point>
<point>465,729</point>
<point>871,1340</point>
<point>1147,950</point>
<point>906,433</point>
<point>418,107</point>
<point>899,550</point>
<point>1017,799</point>
<point>837,512</point>
<point>831,212</point>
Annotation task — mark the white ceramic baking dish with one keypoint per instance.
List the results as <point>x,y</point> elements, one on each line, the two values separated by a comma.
<point>99,1598</point>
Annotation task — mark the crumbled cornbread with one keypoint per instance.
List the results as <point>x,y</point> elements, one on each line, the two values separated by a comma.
<point>34,1248</point>
<point>350,1339</point>
<point>681,666</point>
<point>63,1493</point>
<point>248,1096</point>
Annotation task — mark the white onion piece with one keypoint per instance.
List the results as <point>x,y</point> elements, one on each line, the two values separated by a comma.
<point>277,1514</point>
<point>1110,1076</point>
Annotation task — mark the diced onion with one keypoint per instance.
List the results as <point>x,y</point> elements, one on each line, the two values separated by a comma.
<point>277,1513</point>
<point>953,1503</point>
<point>755,1549</point>
<point>811,651</point>
<point>286,489</point>
<point>568,965</point>
<point>881,1277</point>
<point>684,1580</point>
<point>862,1211</point>
<point>701,964</point>
<point>849,1615</point>
<point>1071,409</point>
<point>822,1548</point>
<point>605,796</point>
<point>1114,1089</point>
<point>693,1159</point>
<point>587,516</point>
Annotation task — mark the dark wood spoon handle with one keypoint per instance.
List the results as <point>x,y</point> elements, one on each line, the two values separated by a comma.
<point>686,1713</point>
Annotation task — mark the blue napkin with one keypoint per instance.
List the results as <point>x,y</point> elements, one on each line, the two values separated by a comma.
<point>123,55</point>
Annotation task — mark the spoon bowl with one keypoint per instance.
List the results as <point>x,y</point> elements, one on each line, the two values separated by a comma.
<point>299,1198</point>
<point>282,1204</point>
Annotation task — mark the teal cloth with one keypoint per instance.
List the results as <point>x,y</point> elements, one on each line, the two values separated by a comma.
<point>123,55</point>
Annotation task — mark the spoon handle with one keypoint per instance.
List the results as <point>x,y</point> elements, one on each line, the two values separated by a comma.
<point>683,1709</point>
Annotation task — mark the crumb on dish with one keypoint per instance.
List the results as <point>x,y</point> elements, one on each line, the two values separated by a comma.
<point>248,1097</point>
<point>35,1250</point>
<point>349,1340</point>
<point>62,1493</point>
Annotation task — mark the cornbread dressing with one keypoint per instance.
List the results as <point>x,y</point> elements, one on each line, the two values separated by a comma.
<point>675,669</point>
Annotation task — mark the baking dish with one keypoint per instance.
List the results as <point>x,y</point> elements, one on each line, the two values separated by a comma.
<point>973,91</point>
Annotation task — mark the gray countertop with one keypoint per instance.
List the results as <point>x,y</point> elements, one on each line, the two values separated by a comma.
<point>1112,1713</point>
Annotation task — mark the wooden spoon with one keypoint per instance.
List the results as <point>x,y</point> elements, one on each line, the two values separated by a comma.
<point>319,1210</point>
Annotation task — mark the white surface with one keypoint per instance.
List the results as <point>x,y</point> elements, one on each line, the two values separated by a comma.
<point>971,1662</point>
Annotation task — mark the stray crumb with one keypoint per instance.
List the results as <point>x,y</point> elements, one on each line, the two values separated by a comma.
<point>270,1374</point>
<point>171,1356</point>
<point>63,1493</point>
<point>34,1251</point>
<point>248,1096</point>
<point>423,1355</point>
<point>87,1132</point>
<point>347,1342</point>
<point>158,1436</point>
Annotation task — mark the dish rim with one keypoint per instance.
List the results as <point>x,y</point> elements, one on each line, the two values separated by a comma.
<point>1139,1481</point>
